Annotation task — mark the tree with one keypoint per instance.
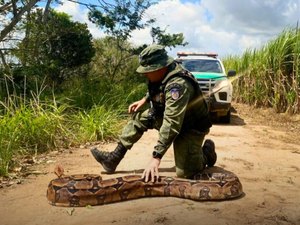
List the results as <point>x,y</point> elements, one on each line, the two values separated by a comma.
<point>113,60</point>
<point>55,48</point>
<point>12,13</point>
<point>17,12</point>
<point>168,40</point>
<point>159,37</point>
<point>119,18</point>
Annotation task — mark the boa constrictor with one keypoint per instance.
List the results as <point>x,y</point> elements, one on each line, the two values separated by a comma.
<point>90,189</point>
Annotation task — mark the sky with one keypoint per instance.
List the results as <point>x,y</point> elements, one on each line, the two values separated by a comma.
<point>227,27</point>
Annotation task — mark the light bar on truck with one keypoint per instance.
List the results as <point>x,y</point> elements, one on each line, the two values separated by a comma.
<point>209,54</point>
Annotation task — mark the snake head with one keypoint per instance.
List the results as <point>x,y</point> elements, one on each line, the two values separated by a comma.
<point>59,170</point>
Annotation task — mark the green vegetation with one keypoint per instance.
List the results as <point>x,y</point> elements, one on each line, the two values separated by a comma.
<point>28,126</point>
<point>84,108</point>
<point>46,52</point>
<point>58,86</point>
<point>31,125</point>
<point>270,76</point>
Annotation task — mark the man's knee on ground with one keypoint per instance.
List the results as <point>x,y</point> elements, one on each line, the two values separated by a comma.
<point>184,174</point>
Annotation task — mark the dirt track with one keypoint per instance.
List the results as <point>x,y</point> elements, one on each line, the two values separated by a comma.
<point>265,156</point>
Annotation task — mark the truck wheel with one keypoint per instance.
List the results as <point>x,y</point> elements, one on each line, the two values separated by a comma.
<point>226,119</point>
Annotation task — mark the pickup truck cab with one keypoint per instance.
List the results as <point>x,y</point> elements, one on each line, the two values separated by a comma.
<point>210,73</point>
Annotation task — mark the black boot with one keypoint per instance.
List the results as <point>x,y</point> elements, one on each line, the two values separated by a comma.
<point>109,160</point>
<point>209,152</point>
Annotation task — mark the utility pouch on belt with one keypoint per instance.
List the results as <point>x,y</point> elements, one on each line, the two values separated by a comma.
<point>203,124</point>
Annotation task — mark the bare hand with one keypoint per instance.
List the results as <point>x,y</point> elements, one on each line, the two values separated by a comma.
<point>152,170</point>
<point>136,105</point>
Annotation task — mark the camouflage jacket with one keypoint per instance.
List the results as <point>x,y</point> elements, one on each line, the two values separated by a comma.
<point>179,101</point>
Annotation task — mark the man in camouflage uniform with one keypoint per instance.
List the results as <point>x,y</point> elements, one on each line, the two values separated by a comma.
<point>177,110</point>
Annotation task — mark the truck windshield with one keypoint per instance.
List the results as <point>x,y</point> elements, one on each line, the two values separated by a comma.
<point>202,65</point>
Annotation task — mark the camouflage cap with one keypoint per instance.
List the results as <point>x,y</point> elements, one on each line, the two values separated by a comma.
<point>153,58</point>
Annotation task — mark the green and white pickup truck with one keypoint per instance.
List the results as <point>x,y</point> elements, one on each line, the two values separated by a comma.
<point>214,83</point>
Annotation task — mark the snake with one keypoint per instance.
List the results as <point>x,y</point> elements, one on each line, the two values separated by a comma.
<point>81,190</point>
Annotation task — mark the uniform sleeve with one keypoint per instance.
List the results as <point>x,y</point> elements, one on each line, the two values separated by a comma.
<point>178,93</point>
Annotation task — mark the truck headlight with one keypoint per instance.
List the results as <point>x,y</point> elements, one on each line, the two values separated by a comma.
<point>221,84</point>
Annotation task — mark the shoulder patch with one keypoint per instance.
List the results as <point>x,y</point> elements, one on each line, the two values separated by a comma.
<point>175,90</point>
<point>175,93</point>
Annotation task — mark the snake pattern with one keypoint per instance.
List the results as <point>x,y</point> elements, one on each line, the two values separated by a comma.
<point>90,189</point>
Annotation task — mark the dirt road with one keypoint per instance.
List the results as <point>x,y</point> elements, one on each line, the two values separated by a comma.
<point>261,149</point>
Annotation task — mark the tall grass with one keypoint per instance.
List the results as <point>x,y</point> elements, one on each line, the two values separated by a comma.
<point>8,142</point>
<point>270,76</point>
<point>98,123</point>
<point>85,107</point>
<point>30,125</point>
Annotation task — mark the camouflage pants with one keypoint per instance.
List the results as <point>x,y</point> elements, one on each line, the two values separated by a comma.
<point>189,158</point>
